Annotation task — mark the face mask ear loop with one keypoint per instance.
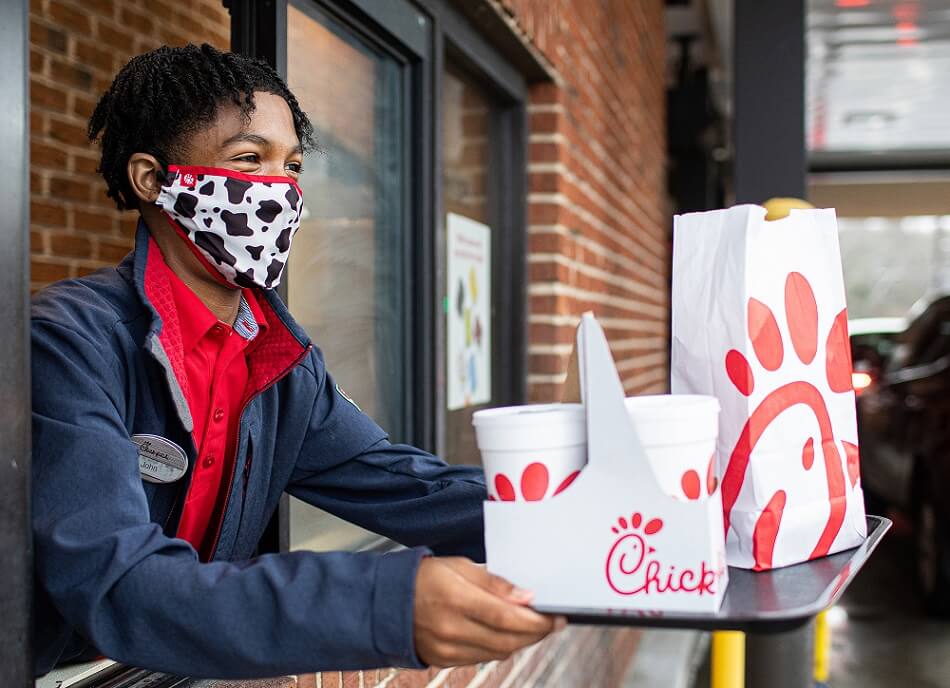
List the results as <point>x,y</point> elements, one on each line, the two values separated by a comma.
<point>161,174</point>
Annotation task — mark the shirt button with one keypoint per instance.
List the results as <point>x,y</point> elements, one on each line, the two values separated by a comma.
<point>218,415</point>
<point>218,329</point>
<point>209,461</point>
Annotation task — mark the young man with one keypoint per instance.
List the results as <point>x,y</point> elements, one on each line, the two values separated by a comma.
<point>175,400</point>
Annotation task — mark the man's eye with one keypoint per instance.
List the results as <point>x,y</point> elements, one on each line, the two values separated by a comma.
<point>295,167</point>
<point>250,157</point>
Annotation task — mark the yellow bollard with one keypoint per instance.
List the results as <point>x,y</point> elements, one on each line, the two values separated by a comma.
<point>822,648</point>
<point>728,659</point>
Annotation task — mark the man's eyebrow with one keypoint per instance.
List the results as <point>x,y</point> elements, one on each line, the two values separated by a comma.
<point>244,137</point>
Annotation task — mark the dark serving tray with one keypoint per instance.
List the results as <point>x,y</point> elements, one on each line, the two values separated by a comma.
<point>764,602</point>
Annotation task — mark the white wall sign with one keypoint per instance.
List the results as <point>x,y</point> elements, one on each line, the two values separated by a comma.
<point>469,312</point>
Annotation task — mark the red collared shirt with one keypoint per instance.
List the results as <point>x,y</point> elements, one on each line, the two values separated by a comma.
<point>215,364</point>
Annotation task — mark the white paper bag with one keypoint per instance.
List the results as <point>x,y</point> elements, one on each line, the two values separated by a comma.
<point>759,321</point>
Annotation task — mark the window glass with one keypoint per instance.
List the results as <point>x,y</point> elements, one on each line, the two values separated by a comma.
<point>345,276</point>
<point>466,135</point>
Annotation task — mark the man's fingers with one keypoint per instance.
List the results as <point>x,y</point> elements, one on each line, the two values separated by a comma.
<point>465,615</point>
<point>489,642</point>
<point>497,585</point>
<point>502,615</point>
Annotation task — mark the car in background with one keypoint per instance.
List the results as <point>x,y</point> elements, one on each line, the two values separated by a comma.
<point>872,342</point>
<point>904,434</point>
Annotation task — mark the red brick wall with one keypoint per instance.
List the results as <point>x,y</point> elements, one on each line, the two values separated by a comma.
<point>599,234</point>
<point>598,226</point>
<point>575,658</point>
<point>76,47</point>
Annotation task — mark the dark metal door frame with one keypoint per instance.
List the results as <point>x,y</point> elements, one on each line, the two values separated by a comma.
<point>434,27</point>
<point>16,548</point>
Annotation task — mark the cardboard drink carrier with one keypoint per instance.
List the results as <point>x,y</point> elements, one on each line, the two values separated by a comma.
<point>613,539</point>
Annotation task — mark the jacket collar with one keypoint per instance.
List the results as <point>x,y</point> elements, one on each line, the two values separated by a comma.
<point>282,345</point>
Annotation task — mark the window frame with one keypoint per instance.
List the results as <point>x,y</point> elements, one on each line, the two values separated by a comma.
<point>427,34</point>
<point>16,535</point>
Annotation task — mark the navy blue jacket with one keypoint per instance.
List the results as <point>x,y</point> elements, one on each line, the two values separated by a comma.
<point>110,574</point>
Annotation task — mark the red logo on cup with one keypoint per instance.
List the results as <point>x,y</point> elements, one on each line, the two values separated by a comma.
<point>188,179</point>
<point>634,567</point>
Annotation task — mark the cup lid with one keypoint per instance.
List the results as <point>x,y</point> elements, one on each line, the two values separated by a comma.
<point>528,414</point>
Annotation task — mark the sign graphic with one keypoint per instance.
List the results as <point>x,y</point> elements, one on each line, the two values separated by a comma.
<point>468,329</point>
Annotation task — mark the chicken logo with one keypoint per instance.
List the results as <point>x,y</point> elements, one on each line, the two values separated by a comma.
<point>634,565</point>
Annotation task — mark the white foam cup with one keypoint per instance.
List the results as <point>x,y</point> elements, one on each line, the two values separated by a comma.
<point>531,452</point>
<point>679,433</point>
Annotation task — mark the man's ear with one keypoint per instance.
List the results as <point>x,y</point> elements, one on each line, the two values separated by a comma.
<point>144,171</point>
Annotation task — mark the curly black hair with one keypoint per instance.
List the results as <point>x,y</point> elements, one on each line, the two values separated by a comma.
<point>160,97</point>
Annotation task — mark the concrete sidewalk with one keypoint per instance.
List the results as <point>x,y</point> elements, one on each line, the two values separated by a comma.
<point>667,659</point>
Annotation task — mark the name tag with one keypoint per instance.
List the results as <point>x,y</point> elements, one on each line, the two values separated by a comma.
<point>160,460</point>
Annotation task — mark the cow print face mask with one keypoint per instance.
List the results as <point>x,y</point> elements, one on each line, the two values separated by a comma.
<point>239,225</point>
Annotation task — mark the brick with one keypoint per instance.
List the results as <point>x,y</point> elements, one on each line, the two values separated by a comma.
<point>68,189</point>
<point>136,19</point>
<point>351,679</point>
<point>95,56</point>
<point>113,250</point>
<point>37,242</point>
<point>85,164</point>
<point>68,132</point>
<point>45,155</point>
<point>47,97</point>
<point>38,183</point>
<point>115,36</point>
<point>45,213</point>
<point>412,678</point>
<point>545,182</point>
<point>82,106</point>
<point>68,15</point>
<point>460,677</point>
<point>104,8</point>
<point>46,36</point>
<point>38,123</point>
<point>37,62</point>
<point>47,270</point>
<point>93,221</point>
<point>331,679</point>
<point>70,74</point>
<point>73,245</point>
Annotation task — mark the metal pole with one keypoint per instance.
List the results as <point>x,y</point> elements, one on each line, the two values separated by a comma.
<point>780,660</point>
<point>769,97</point>
<point>727,658</point>
<point>16,553</point>
<point>770,160</point>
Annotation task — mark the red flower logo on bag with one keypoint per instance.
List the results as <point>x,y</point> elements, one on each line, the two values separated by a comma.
<point>801,312</point>
<point>635,567</point>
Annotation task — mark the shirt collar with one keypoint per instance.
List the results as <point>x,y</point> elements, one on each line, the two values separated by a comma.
<point>196,319</point>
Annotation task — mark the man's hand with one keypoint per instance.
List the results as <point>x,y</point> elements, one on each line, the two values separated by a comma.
<point>464,615</point>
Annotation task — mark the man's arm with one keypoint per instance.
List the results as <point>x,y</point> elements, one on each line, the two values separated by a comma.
<point>463,614</point>
<point>144,599</point>
<point>348,467</point>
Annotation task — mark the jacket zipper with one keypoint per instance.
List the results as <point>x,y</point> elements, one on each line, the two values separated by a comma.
<point>227,498</point>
